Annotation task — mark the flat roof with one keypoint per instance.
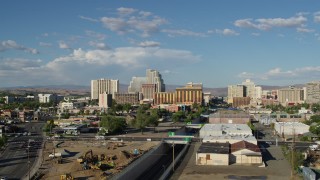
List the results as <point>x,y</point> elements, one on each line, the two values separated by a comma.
<point>217,148</point>
<point>230,137</point>
<point>226,127</point>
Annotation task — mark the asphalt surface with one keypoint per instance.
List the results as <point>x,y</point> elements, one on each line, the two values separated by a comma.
<point>14,160</point>
<point>157,169</point>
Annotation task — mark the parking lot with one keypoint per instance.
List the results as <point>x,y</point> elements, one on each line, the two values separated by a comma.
<point>277,168</point>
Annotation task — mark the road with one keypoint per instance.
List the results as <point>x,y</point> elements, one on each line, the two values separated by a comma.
<point>14,160</point>
<point>158,168</point>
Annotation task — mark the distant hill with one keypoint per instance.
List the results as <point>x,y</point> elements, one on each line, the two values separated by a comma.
<point>81,90</point>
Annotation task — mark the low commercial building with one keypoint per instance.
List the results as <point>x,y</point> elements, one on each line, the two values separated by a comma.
<point>244,152</point>
<point>230,139</point>
<point>290,128</point>
<point>229,117</point>
<point>225,129</point>
<point>213,154</point>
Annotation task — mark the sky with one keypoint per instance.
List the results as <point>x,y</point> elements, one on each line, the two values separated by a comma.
<point>217,43</point>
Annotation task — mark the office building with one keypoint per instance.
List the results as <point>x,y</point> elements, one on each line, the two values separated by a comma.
<point>190,94</point>
<point>164,98</point>
<point>124,98</point>
<point>313,92</point>
<point>136,84</point>
<point>101,86</point>
<point>105,100</point>
<point>154,77</point>
<point>148,91</point>
<point>236,91</point>
<point>290,96</point>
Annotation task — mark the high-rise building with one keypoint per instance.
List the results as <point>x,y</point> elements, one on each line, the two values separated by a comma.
<point>136,84</point>
<point>164,98</point>
<point>313,92</point>
<point>105,100</point>
<point>123,98</point>
<point>191,93</point>
<point>290,96</point>
<point>246,89</point>
<point>101,86</point>
<point>236,91</point>
<point>148,90</point>
<point>154,77</point>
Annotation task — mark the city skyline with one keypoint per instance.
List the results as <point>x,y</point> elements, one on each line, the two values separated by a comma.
<point>217,43</point>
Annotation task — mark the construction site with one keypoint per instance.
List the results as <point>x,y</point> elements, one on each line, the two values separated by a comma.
<point>92,159</point>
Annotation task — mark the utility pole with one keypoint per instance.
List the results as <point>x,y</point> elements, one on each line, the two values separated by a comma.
<point>28,159</point>
<point>292,154</point>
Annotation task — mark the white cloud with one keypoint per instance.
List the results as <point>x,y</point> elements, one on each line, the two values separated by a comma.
<point>316,17</point>
<point>63,45</point>
<point>145,13</point>
<point>44,44</point>
<point>18,64</point>
<point>10,44</point>
<point>88,19</point>
<point>126,11</point>
<point>142,23</point>
<point>246,75</point>
<point>149,44</point>
<point>277,74</point>
<point>255,34</point>
<point>227,32</point>
<point>269,23</point>
<point>95,35</point>
<point>182,32</point>
<point>125,56</point>
<point>304,30</point>
<point>98,45</point>
<point>118,25</point>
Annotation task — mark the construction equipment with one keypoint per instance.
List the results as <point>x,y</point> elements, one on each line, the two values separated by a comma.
<point>66,177</point>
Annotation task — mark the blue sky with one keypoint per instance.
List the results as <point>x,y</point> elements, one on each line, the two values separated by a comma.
<point>218,43</point>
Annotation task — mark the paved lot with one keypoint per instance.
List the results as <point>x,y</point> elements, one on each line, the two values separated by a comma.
<point>277,168</point>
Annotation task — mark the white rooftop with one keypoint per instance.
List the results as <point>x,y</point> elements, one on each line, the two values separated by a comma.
<point>226,127</point>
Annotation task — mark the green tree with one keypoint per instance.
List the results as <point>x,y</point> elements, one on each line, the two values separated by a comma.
<point>177,116</point>
<point>315,129</point>
<point>153,119</point>
<point>141,120</point>
<point>127,107</point>
<point>113,124</point>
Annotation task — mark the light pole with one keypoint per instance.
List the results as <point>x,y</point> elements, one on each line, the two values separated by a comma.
<point>28,159</point>
<point>29,140</point>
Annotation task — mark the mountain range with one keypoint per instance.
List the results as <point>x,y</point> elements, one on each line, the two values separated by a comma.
<point>73,90</point>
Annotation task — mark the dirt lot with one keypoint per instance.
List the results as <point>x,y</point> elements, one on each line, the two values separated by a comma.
<point>276,168</point>
<point>119,153</point>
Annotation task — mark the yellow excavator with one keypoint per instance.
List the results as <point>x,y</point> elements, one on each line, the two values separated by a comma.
<point>66,177</point>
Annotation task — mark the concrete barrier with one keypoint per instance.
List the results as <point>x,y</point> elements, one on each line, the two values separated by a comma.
<point>139,166</point>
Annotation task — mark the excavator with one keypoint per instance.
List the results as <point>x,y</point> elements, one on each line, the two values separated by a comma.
<point>86,157</point>
<point>66,177</point>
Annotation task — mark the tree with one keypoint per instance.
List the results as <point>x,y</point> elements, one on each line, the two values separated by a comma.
<point>153,119</point>
<point>127,107</point>
<point>141,120</point>
<point>177,116</point>
<point>113,124</point>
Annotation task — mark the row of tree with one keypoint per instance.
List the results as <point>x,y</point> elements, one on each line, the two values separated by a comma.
<point>294,109</point>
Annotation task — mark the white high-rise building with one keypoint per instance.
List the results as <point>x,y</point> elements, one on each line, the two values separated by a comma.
<point>313,92</point>
<point>154,77</point>
<point>236,91</point>
<point>101,86</point>
<point>136,84</point>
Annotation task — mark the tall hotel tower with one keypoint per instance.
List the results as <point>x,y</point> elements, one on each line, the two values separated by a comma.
<point>101,86</point>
